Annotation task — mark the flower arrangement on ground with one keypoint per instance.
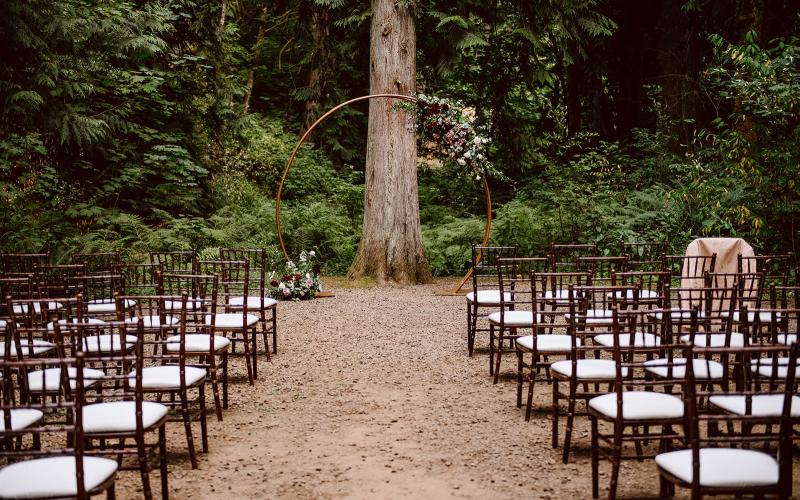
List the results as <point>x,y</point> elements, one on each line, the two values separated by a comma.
<point>449,131</point>
<point>299,280</point>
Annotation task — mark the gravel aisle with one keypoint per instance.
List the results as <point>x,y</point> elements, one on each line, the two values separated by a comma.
<point>372,395</point>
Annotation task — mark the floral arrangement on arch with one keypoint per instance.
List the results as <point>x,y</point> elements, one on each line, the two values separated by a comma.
<point>298,280</point>
<point>449,131</point>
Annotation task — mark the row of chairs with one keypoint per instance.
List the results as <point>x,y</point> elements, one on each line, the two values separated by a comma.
<point>95,363</point>
<point>619,331</point>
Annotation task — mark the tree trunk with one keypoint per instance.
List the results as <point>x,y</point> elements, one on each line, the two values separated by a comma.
<point>391,248</point>
<point>317,76</point>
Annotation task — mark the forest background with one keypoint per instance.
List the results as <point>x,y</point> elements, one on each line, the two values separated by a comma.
<point>154,125</point>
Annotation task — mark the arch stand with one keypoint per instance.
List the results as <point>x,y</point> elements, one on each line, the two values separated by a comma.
<point>454,291</point>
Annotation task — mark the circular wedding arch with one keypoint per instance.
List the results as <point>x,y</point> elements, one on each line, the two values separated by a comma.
<point>322,118</point>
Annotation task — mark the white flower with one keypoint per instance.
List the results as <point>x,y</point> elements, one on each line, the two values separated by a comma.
<point>281,286</point>
<point>477,177</point>
<point>468,154</point>
<point>480,156</point>
<point>290,264</point>
<point>461,162</point>
<point>312,253</point>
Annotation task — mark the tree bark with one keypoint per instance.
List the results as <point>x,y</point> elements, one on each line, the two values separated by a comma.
<point>391,249</point>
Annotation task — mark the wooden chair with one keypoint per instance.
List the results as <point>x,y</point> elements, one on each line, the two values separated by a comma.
<point>644,255</point>
<point>235,322</point>
<point>485,293</point>
<point>200,339</point>
<point>549,333</point>
<point>727,463</point>
<point>590,314</point>
<point>638,404</point>
<point>119,422</point>
<point>47,468</point>
<point>258,299</point>
<point>168,376</point>
<point>514,313</point>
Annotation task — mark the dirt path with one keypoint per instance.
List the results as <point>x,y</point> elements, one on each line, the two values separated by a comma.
<point>372,395</point>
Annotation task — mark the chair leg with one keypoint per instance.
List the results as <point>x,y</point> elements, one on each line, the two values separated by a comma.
<point>143,467</point>
<point>162,457</point>
<point>215,387</point>
<point>555,414</point>
<point>255,352</point>
<point>595,459</point>
<point>520,368</point>
<point>203,418</point>
<point>274,332</point>
<point>111,493</point>
<point>570,419</point>
<point>187,425</point>
<point>225,379</point>
<point>499,355</point>
<point>491,349</point>
<point>470,333</point>
<point>616,463</point>
<point>531,383</point>
<point>248,359</point>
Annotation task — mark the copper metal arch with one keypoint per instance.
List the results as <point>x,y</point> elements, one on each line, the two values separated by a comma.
<point>320,120</point>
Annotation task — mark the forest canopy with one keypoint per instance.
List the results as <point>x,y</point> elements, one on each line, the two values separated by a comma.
<point>151,125</point>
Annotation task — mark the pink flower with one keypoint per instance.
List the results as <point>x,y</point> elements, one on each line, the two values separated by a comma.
<point>286,292</point>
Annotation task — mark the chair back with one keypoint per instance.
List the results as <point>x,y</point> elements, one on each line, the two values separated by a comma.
<point>22,264</point>
<point>688,270</point>
<point>564,257</point>
<point>602,268</point>
<point>97,263</point>
<point>645,255</point>
<point>484,265</point>
<point>138,279</point>
<point>184,261</point>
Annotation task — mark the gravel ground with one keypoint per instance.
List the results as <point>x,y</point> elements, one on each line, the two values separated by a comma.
<point>372,395</point>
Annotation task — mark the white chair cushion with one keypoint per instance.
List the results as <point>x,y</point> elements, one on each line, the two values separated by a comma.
<point>513,318</point>
<point>644,294</point>
<point>561,296</point>
<point>21,418</point>
<point>107,343</point>
<point>675,315</point>
<point>764,367</point>
<point>588,368</point>
<point>37,307</point>
<point>703,369</point>
<point>191,304</point>
<point>39,347</point>
<point>640,339</point>
<point>120,416</point>
<point>722,467</point>
<point>488,297</point>
<point>53,477</point>
<point>167,377</point>
<point>639,405</point>
<point>548,342</point>
<point>716,339</point>
<point>49,380</point>
<point>252,302</point>
<point>232,320</point>
<point>197,342</point>
<point>106,306</point>
<point>153,321</point>
<point>596,316</point>
<point>63,322</point>
<point>763,317</point>
<point>787,339</point>
<point>763,405</point>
